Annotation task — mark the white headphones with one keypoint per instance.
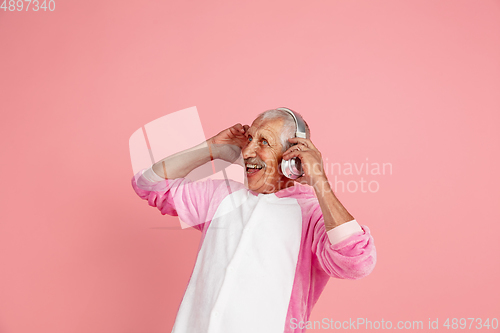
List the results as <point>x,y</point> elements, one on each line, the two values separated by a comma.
<point>292,168</point>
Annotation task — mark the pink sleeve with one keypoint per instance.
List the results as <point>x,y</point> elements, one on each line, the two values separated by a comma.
<point>352,258</point>
<point>194,202</point>
<point>343,231</point>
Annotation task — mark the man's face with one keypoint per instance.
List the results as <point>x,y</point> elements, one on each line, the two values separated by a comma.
<point>264,149</point>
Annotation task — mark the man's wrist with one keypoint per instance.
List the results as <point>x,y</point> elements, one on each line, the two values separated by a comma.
<point>151,176</point>
<point>322,186</point>
<point>343,231</point>
<point>211,149</point>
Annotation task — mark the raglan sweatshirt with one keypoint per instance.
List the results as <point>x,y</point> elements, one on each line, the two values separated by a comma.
<point>263,259</point>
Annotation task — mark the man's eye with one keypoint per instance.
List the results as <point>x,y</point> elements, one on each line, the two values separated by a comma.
<point>265,142</point>
<point>249,138</point>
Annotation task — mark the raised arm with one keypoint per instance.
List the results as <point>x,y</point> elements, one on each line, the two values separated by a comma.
<point>343,248</point>
<point>194,202</point>
<point>180,164</point>
<point>226,145</point>
<point>334,213</point>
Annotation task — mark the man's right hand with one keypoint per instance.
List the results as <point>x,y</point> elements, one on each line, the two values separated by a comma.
<point>227,144</point>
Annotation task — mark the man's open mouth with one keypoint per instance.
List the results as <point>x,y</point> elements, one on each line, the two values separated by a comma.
<point>252,169</point>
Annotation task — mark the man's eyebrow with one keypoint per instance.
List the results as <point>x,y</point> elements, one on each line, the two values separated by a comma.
<point>268,137</point>
<point>263,134</point>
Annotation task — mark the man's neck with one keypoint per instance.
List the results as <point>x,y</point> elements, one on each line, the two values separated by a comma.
<point>285,183</point>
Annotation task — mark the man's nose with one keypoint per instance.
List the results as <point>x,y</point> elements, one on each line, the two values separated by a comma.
<point>248,151</point>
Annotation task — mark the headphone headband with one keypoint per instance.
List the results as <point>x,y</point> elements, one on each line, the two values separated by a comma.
<point>299,122</point>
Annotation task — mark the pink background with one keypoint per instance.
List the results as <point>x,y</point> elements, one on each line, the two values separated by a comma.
<point>411,83</point>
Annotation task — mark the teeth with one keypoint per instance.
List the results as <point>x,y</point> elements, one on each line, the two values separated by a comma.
<point>254,166</point>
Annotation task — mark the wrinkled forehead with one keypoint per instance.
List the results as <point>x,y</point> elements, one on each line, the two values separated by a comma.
<point>269,127</point>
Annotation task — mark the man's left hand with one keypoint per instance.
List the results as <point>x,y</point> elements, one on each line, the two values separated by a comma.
<point>310,158</point>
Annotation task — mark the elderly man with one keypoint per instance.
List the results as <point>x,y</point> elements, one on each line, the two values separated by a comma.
<point>268,247</point>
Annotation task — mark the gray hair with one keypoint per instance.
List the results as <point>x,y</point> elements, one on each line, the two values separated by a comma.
<point>289,128</point>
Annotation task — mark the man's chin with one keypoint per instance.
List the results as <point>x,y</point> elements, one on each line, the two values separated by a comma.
<point>259,183</point>
<point>252,186</point>
<point>253,180</point>
<point>255,185</point>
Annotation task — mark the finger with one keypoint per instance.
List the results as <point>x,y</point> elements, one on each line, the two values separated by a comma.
<point>301,146</point>
<point>301,180</point>
<point>239,127</point>
<point>288,151</point>
<point>242,129</point>
<point>295,148</point>
<point>306,142</point>
<point>286,156</point>
<point>292,154</point>
<point>237,133</point>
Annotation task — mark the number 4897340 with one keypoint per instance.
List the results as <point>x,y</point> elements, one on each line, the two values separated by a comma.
<point>34,5</point>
